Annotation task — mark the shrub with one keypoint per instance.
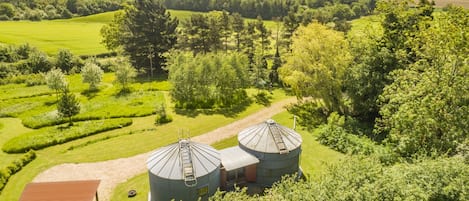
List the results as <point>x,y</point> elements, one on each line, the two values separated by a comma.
<point>4,18</point>
<point>14,167</point>
<point>310,113</point>
<point>50,136</point>
<point>92,74</point>
<point>334,135</point>
<point>65,60</point>
<point>35,79</point>
<point>161,116</point>
<point>38,62</point>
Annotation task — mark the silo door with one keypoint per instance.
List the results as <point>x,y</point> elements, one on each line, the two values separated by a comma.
<point>250,173</point>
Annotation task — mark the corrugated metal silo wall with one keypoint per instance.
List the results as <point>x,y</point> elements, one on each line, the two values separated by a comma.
<point>165,189</point>
<point>272,166</point>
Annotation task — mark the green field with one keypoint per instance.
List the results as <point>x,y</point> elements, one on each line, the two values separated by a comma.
<point>80,35</point>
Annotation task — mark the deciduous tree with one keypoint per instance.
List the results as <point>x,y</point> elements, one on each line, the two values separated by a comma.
<point>125,74</point>
<point>68,105</point>
<point>92,74</point>
<point>55,80</point>
<point>317,65</point>
<point>425,109</point>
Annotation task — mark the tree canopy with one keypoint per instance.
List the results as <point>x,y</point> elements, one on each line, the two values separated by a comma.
<point>145,32</point>
<point>317,65</point>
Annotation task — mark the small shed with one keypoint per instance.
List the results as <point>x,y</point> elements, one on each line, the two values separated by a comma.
<point>277,147</point>
<point>238,167</point>
<point>184,170</point>
<point>61,191</point>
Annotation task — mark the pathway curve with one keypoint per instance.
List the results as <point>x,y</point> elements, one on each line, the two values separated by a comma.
<point>116,171</point>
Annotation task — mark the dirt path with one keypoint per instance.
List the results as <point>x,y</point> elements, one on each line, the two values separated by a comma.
<point>113,172</point>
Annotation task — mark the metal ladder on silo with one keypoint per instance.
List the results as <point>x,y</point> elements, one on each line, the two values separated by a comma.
<point>276,134</point>
<point>187,167</point>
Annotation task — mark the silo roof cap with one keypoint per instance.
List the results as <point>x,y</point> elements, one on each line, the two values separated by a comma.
<point>168,162</point>
<point>270,137</point>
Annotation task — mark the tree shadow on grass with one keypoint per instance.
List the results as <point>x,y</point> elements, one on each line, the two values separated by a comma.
<point>49,103</point>
<point>123,92</point>
<point>158,77</point>
<point>90,93</point>
<point>232,111</point>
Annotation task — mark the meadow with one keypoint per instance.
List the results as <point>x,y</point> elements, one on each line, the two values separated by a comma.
<point>80,35</point>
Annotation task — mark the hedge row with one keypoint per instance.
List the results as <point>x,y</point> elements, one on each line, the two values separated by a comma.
<point>14,167</point>
<point>51,136</point>
<point>41,121</point>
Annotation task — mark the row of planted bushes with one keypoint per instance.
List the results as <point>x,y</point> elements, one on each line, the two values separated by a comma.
<point>14,167</point>
<point>45,120</point>
<point>51,136</point>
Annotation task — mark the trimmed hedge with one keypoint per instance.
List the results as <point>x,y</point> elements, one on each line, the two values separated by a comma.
<point>14,167</point>
<point>51,136</point>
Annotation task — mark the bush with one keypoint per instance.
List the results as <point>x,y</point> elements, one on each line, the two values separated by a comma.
<point>14,167</point>
<point>35,79</point>
<point>161,116</point>
<point>310,113</point>
<point>366,179</point>
<point>335,136</point>
<point>4,18</point>
<point>50,136</point>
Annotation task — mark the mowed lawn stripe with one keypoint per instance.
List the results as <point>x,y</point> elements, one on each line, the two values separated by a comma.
<point>50,36</point>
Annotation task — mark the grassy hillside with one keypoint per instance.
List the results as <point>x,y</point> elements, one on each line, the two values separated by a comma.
<point>80,35</point>
<point>50,36</point>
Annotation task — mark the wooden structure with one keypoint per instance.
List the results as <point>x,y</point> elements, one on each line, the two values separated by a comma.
<point>61,191</point>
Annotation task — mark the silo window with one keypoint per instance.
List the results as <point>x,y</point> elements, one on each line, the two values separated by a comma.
<point>203,190</point>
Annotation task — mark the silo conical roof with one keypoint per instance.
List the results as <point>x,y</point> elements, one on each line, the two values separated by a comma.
<point>168,162</point>
<point>270,137</point>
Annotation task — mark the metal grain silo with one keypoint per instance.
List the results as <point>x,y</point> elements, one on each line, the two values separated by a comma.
<point>278,149</point>
<point>183,171</point>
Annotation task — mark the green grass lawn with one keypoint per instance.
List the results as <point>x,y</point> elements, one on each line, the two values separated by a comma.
<point>39,108</point>
<point>314,158</point>
<point>140,137</point>
<point>80,35</point>
<point>11,128</point>
<point>50,36</point>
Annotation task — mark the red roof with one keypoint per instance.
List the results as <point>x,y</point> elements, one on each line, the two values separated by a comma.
<point>61,191</point>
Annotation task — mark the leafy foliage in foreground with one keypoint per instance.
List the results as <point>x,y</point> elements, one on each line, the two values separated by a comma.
<point>367,179</point>
<point>50,136</point>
